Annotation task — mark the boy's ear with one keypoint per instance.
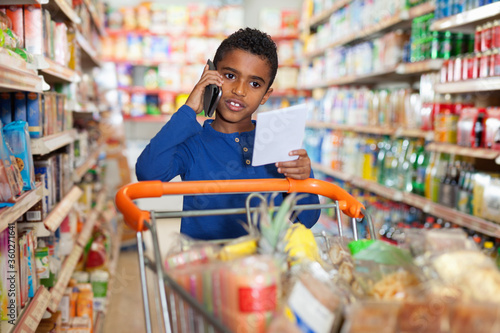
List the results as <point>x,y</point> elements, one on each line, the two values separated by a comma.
<point>266,96</point>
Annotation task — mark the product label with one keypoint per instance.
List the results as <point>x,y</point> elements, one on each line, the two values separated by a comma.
<point>311,315</point>
<point>257,299</point>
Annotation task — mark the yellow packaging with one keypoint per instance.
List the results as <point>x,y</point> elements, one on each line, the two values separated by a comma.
<point>301,244</point>
<point>491,201</point>
<point>85,302</point>
<point>238,249</point>
<point>481,180</point>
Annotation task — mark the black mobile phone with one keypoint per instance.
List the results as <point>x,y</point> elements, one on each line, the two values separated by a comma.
<point>212,95</point>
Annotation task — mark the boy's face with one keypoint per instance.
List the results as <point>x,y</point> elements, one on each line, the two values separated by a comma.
<point>246,78</point>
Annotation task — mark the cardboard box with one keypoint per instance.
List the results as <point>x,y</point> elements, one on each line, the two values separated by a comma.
<point>34,114</point>
<point>5,108</point>
<point>20,111</point>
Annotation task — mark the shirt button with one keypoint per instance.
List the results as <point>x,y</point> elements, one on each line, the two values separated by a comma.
<point>245,149</point>
<point>237,140</point>
<point>248,162</point>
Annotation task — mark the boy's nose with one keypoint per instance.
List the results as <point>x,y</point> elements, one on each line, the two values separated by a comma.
<point>239,89</point>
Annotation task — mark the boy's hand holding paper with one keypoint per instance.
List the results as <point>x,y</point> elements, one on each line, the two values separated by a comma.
<point>278,138</point>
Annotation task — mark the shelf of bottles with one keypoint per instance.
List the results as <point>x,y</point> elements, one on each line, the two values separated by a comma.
<point>468,20</point>
<point>428,206</point>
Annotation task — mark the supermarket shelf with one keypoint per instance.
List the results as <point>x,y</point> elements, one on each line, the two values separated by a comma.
<point>284,38</point>
<point>158,119</point>
<point>414,133</point>
<point>395,22</point>
<point>147,32</point>
<point>419,67</point>
<point>468,20</point>
<point>62,7</point>
<point>333,173</point>
<point>57,292</point>
<point>465,220</point>
<point>95,17</point>
<point>352,128</point>
<point>80,171</point>
<point>33,312</point>
<point>22,205</point>
<point>90,58</point>
<point>56,73</point>
<point>422,9</point>
<point>91,220</point>
<point>488,154</point>
<point>325,15</point>
<point>24,2</point>
<point>142,90</point>
<point>388,75</point>
<point>486,84</point>
<point>59,212</point>
<point>15,74</point>
<point>290,92</point>
<point>53,142</point>
<point>428,206</point>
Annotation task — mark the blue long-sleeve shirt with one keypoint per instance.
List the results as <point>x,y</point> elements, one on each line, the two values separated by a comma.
<point>183,147</point>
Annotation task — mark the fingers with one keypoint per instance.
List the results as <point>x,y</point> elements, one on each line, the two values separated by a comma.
<point>297,169</point>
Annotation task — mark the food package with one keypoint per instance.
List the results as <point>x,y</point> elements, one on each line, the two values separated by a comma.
<point>18,140</point>
<point>386,272</point>
<point>185,251</point>
<point>371,317</point>
<point>435,241</point>
<point>314,303</point>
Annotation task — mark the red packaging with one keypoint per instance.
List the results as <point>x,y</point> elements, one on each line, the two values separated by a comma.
<point>491,65</point>
<point>289,22</point>
<point>449,70</point>
<point>427,114</point>
<point>492,128</point>
<point>486,37</point>
<point>33,29</point>
<point>477,39</point>
<point>475,65</point>
<point>457,69</point>
<point>495,35</point>
<point>466,127</point>
<point>443,73</point>
<point>496,63</point>
<point>484,64</point>
<point>15,13</point>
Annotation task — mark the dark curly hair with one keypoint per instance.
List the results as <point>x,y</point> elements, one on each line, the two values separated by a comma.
<point>253,41</point>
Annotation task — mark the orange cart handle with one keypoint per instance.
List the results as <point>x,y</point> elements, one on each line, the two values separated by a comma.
<point>135,217</point>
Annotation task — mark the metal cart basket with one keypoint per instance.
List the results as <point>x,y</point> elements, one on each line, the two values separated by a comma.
<point>171,293</point>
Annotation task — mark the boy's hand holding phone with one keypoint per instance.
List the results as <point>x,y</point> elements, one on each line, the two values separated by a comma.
<point>297,169</point>
<point>195,99</point>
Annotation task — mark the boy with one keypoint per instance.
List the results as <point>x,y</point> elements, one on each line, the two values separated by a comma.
<point>246,64</point>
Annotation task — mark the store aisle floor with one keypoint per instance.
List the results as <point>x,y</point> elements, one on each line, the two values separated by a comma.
<point>126,312</point>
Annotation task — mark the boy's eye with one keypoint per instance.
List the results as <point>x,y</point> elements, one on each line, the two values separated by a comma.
<point>229,76</point>
<point>255,84</point>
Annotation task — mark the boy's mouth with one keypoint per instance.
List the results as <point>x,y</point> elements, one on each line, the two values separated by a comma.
<point>234,105</point>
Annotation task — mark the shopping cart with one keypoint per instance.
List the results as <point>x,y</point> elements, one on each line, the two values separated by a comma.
<point>171,293</point>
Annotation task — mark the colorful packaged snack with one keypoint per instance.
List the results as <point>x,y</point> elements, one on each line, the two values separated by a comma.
<point>11,169</point>
<point>17,139</point>
<point>33,29</point>
<point>15,13</point>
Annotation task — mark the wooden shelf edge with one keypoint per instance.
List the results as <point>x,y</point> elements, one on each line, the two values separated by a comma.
<point>48,144</point>
<point>23,204</point>
<point>59,212</point>
<point>68,11</point>
<point>378,130</point>
<point>34,312</point>
<point>489,154</point>
<point>477,85</point>
<point>59,71</point>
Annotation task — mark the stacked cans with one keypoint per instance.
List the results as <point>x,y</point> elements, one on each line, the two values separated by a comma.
<point>445,8</point>
<point>483,62</point>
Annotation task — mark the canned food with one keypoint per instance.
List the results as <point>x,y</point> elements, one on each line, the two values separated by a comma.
<point>477,39</point>
<point>495,35</point>
<point>475,65</point>
<point>484,64</point>
<point>457,68</point>
<point>486,37</point>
